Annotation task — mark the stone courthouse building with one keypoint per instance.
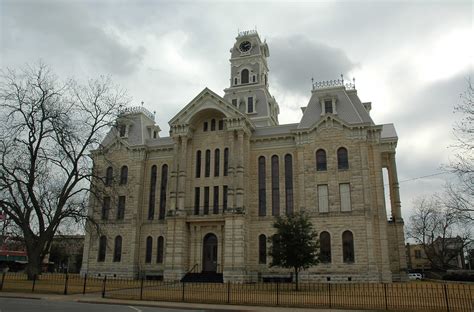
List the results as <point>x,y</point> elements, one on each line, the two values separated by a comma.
<point>205,198</point>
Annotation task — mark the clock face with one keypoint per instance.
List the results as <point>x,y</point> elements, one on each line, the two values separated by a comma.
<point>245,46</point>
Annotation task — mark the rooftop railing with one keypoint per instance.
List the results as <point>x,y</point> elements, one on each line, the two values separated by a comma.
<point>334,83</point>
<point>137,109</point>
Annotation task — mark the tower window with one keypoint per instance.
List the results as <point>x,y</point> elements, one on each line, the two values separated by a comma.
<point>321,163</point>
<point>205,126</point>
<point>244,78</point>
<point>122,130</point>
<point>342,159</point>
<point>221,124</point>
<point>213,125</point>
<point>250,104</point>
<point>328,106</point>
<point>109,176</point>
<point>123,175</point>
<point>253,78</point>
<point>234,102</point>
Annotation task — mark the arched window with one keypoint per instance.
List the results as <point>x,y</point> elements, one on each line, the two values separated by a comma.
<point>342,158</point>
<point>217,155</point>
<point>149,247</point>
<point>262,249</point>
<point>213,125</point>
<point>348,247</point>
<point>123,175</point>
<point>207,169</point>
<point>151,201</point>
<point>325,245</point>
<point>275,186</point>
<point>244,76</point>
<point>118,249</point>
<point>102,247</point>
<point>109,176</point>
<point>160,247</point>
<point>289,183</point>
<point>262,202</point>
<point>226,162</point>
<point>164,185</point>
<point>321,163</point>
<point>198,164</point>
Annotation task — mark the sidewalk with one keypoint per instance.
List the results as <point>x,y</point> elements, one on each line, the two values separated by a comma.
<point>97,299</point>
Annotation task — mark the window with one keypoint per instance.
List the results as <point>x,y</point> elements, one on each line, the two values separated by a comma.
<point>328,106</point>
<point>250,105</point>
<point>164,185</point>
<point>323,198</point>
<point>207,169</point>
<point>234,102</point>
<point>262,201</point>
<point>244,76</point>
<point>109,176</point>
<point>266,80</point>
<point>342,159</point>
<point>197,195</point>
<point>418,254</point>
<point>226,162</point>
<point>289,183</point>
<point>123,175</point>
<point>224,198</point>
<point>105,208</point>
<point>159,250</point>
<point>205,126</point>
<point>235,81</point>
<point>198,164</point>
<point>325,245</point>
<point>253,78</point>
<point>217,155</point>
<point>151,201</point>
<point>215,209</point>
<point>118,249</point>
<point>321,163</point>
<point>121,208</point>
<point>275,186</point>
<point>221,124</point>
<point>102,247</point>
<point>345,196</point>
<point>122,131</point>
<point>213,125</point>
<point>262,249</point>
<point>148,250</point>
<point>206,200</point>
<point>348,247</point>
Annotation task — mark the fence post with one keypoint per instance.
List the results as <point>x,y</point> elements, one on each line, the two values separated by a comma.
<point>182,297</point>
<point>446,297</point>
<point>228,291</point>
<point>65,284</point>
<point>141,288</point>
<point>278,291</point>
<point>329,292</point>
<point>103,286</point>
<point>85,282</point>
<point>385,291</point>
<point>34,282</point>
<point>3,281</point>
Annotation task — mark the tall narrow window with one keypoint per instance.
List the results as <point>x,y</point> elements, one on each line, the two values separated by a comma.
<point>102,248</point>
<point>226,162</point>
<point>262,249</point>
<point>205,126</point>
<point>250,104</point>
<point>123,175</point>
<point>262,201</point>
<point>224,197</point>
<point>321,163</point>
<point>109,176</point>
<point>253,78</point>
<point>215,209</point>
<point>198,164</point>
<point>325,245</point>
<point>221,124</point>
<point>206,200</point>
<point>323,198</point>
<point>105,208</point>
<point>275,186</point>
<point>164,185</point>
<point>217,155</point>
<point>122,130</point>
<point>328,106</point>
<point>213,125</point>
<point>121,208</point>
<point>149,249</point>
<point>159,251</point>
<point>118,249</point>
<point>235,81</point>
<point>151,201</point>
<point>348,247</point>
<point>197,195</point>
<point>342,159</point>
<point>234,102</point>
<point>207,169</point>
<point>345,196</point>
<point>289,183</point>
<point>244,77</point>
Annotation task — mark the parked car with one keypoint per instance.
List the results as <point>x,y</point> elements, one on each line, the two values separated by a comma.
<point>415,276</point>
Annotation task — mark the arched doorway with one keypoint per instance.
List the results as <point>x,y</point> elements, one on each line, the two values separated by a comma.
<point>209,253</point>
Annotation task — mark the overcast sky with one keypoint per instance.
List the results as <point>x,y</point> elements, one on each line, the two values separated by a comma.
<point>411,59</point>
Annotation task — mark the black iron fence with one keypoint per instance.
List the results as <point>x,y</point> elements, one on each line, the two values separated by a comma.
<point>412,296</point>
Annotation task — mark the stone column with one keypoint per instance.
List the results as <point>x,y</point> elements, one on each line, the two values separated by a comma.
<point>394,187</point>
<point>239,157</point>
<point>181,187</point>
<point>174,177</point>
<point>300,177</point>
<point>231,172</point>
<point>176,247</point>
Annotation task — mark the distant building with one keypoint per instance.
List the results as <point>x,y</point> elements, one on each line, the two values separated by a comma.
<point>66,253</point>
<point>206,197</point>
<point>416,258</point>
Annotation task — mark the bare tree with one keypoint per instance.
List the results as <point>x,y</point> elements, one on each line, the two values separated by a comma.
<point>47,128</point>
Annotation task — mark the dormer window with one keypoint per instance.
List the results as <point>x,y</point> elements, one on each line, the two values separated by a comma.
<point>250,105</point>
<point>122,130</point>
<point>328,106</point>
<point>234,102</point>
<point>244,76</point>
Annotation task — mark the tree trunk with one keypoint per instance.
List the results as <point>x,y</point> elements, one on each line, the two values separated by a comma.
<point>296,279</point>
<point>33,267</point>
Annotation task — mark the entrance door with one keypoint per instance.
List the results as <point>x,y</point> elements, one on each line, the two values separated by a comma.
<point>209,257</point>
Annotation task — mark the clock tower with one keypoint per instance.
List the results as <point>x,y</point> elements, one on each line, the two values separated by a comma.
<point>248,90</point>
